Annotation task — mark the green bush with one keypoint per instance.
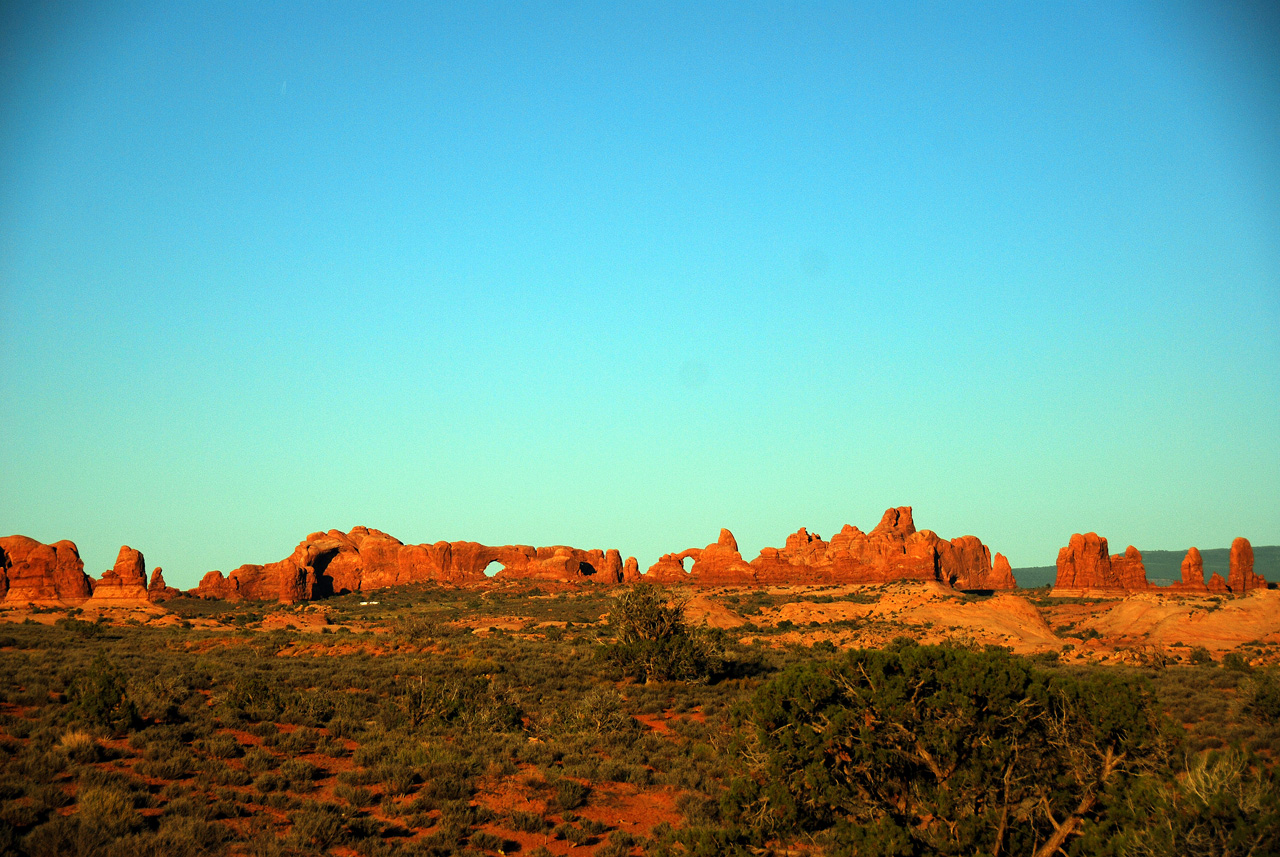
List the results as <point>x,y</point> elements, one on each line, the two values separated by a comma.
<point>99,698</point>
<point>938,750</point>
<point>652,641</point>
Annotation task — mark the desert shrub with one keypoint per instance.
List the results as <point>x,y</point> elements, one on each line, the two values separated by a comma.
<point>222,746</point>
<point>300,774</point>
<point>572,833</point>
<point>251,697</point>
<point>99,698</point>
<point>528,822</point>
<point>1235,661</point>
<point>258,761</point>
<point>80,747</point>
<point>570,794</point>
<point>940,750</point>
<point>186,836</point>
<point>159,696</point>
<point>1264,700</point>
<point>358,796</point>
<point>486,841</point>
<point>460,702</point>
<point>652,642</point>
<point>318,826</point>
<point>619,844</point>
<point>599,713</point>
<point>173,766</point>
<point>1201,656</point>
<point>1226,804</point>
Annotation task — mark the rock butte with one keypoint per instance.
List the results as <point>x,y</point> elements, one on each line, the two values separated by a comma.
<point>124,583</point>
<point>41,574</point>
<point>1086,567</point>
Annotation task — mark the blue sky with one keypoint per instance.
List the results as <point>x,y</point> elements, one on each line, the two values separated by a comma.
<point>619,275</point>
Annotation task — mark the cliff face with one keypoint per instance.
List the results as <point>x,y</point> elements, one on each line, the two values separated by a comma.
<point>333,563</point>
<point>36,573</point>
<point>893,551</point>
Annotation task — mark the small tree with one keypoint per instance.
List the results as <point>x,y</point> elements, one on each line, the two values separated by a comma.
<point>939,750</point>
<point>652,641</point>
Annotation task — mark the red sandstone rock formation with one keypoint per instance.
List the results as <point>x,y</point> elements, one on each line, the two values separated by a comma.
<point>893,551</point>
<point>157,591</point>
<point>365,559</point>
<point>1084,564</point>
<point>1241,578</point>
<point>1001,576</point>
<point>125,583</point>
<point>1129,570</point>
<point>720,564</point>
<point>37,573</point>
<point>669,568</point>
<point>631,570</point>
<point>1192,573</point>
<point>1218,586</point>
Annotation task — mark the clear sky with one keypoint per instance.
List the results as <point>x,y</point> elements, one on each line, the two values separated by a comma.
<point>618,275</point>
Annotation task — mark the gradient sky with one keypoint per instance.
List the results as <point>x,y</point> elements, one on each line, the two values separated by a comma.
<point>617,275</point>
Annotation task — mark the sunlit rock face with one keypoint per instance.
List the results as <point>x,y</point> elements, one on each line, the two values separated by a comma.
<point>894,551</point>
<point>125,582</point>
<point>1084,564</point>
<point>36,573</point>
<point>363,560</point>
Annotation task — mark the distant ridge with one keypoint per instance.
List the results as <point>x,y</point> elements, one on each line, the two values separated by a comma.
<point>1164,567</point>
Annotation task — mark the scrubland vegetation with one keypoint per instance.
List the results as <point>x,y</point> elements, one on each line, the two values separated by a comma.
<point>412,735</point>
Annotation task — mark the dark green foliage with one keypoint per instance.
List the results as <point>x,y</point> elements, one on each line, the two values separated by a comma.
<point>938,750</point>
<point>1264,702</point>
<point>99,698</point>
<point>652,641</point>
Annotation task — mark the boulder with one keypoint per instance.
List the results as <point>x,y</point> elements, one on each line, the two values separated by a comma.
<point>36,573</point>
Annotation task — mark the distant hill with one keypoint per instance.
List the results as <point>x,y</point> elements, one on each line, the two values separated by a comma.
<point>1164,567</point>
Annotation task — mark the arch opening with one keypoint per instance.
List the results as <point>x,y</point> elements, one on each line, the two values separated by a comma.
<point>492,569</point>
